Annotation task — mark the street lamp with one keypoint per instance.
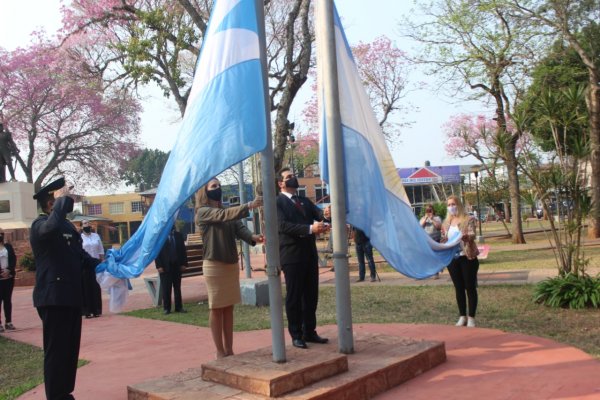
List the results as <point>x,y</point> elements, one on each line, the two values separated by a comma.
<point>475,170</point>
<point>292,145</point>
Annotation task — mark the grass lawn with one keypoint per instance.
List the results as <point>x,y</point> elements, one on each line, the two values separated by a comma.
<point>21,368</point>
<point>505,307</point>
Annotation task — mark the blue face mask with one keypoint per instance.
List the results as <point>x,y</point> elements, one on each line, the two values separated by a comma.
<point>452,210</point>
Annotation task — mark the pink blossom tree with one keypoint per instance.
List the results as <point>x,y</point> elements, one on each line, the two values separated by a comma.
<point>384,72</point>
<point>63,120</point>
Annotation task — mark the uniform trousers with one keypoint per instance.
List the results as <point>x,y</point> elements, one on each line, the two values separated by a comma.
<point>62,337</point>
<point>302,297</point>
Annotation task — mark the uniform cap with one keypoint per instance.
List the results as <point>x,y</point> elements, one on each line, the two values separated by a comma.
<point>49,189</point>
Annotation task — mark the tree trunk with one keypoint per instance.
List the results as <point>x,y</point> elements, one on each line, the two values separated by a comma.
<point>515,200</point>
<point>593,103</point>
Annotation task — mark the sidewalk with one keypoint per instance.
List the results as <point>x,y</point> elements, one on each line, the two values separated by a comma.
<point>482,363</point>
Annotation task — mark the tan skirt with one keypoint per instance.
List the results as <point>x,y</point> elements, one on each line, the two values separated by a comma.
<point>222,282</point>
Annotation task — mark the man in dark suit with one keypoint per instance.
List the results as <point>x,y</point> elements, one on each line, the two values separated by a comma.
<point>297,219</point>
<point>59,260</point>
<point>169,263</point>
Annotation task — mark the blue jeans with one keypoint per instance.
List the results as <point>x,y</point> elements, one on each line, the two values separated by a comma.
<point>362,250</point>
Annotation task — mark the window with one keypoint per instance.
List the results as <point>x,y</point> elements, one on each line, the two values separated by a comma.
<point>302,191</point>
<point>136,206</point>
<point>321,193</point>
<point>94,209</point>
<point>115,208</point>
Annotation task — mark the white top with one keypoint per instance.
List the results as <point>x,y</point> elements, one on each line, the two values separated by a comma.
<point>92,244</point>
<point>4,258</point>
<point>453,231</point>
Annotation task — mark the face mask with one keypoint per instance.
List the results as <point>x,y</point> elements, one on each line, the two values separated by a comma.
<point>292,183</point>
<point>214,194</point>
<point>452,210</point>
<point>87,229</point>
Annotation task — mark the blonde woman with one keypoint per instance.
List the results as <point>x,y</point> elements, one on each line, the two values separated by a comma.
<point>220,227</point>
<point>463,268</point>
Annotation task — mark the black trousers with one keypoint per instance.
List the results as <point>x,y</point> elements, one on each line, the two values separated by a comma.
<point>168,280</point>
<point>92,294</point>
<point>6,289</point>
<point>464,277</point>
<point>302,297</point>
<point>62,337</point>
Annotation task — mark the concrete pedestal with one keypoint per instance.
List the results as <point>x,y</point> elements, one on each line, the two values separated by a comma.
<point>17,207</point>
<point>255,291</point>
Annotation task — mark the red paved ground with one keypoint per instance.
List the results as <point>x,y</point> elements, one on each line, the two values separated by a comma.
<point>482,363</point>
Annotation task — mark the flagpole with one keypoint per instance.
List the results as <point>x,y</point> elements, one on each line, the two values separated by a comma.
<point>245,247</point>
<point>269,196</point>
<point>335,155</point>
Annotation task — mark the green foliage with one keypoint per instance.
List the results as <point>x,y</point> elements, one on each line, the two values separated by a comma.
<point>145,170</point>
<point>569,291</point>
<point>27,262</point>
<point>553,96</point>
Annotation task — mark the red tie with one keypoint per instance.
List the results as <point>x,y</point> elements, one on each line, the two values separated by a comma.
<point>298,204</point>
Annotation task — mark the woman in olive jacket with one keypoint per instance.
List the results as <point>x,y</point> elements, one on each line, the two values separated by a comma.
<point>220,227</point>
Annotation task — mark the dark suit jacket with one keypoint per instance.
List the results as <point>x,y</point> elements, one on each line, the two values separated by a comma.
<point>59,258</point>
<point>12,259</point>
<point>163,260</point>
<point>295,241</point>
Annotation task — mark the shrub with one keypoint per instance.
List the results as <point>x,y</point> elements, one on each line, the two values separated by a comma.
<point>27,262</point>
<point>569,291</point>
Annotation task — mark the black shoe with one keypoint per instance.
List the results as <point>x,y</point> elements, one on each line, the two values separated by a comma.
<point>166,312</point>
<point>373,279</point>
<point>360,280</point>
<point>299,343</point>
<point>89,316</point>
<point>181,311</point>
<point>314,338</point>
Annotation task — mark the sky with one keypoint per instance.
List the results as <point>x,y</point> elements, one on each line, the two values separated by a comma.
<point>363,21</point>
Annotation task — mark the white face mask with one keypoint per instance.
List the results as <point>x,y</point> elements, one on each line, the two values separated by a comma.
<point>452,210</point>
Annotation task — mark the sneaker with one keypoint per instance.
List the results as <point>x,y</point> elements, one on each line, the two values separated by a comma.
<point>373,280</point>
<point>471,322</point>
<point>360,280</point>
<point>462,321</point>
<point>9,326</point>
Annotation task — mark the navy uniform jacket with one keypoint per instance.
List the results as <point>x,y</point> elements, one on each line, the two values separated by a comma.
<point>59,258</point>
<point>295,242</point>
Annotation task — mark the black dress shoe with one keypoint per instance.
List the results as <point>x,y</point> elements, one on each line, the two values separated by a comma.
<point>166,312</point>
<point>299,343</point>
<point>182,310</point>
<point>314,338</point>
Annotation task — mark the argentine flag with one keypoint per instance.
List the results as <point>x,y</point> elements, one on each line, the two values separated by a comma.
<point>224,123</point>
<point>376,201</point>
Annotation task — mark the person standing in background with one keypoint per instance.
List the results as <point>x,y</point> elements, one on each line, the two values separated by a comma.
<point>92,294</point>
<point>8,263</point>
<point>170,263</point>
<point>364,249</point>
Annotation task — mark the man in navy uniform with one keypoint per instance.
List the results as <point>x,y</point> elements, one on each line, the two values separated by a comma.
<point>59,259</point>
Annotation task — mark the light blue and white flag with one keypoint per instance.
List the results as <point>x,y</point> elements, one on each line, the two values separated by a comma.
<point>376,201</point>
<point>224,123</point>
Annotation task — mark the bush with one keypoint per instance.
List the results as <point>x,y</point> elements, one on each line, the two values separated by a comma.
<point>27,262</point>
<point>569,291</point>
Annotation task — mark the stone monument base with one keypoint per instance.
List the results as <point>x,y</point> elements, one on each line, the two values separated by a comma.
<point>380,362</point>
